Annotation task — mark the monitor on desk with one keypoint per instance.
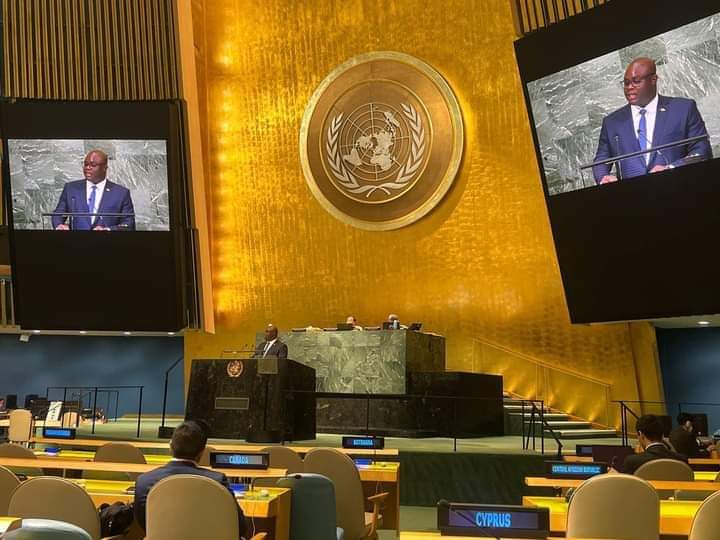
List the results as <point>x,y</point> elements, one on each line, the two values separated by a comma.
<point>415,327</point>
<point>613,455</point>
<point>345,326</point>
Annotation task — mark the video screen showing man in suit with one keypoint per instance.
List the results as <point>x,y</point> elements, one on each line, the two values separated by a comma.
<point>647,121</point>
<point>52,183</point>
<point>651,93</point>
<point>108,204</point>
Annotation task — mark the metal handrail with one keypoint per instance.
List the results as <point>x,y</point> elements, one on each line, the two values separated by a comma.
<point>625,409</point>
<point>542,363</point>
<point>544,426</point>
<point>98,389</point>
<point>604,386</point>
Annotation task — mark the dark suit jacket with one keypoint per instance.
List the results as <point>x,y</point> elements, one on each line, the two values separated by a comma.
<point>116,199</point>
<point>686,444</point>
<point>278,349</point>
<point>651,453</point>
<point>676,119</point>
<point>146,481</point>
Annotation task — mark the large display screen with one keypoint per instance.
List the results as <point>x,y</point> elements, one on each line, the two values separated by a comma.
<point>592,112</point>
<point>98,199</point>
<point>53,180</point>
<point>624,106</point>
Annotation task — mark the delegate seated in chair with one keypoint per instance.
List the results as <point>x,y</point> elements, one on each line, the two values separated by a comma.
<point>187,446</point>
<point>650,436</point>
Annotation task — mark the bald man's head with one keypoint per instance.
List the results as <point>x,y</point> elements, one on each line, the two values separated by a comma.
<point>95,166</point>
<point>640,82</point>
<point>271,332</point>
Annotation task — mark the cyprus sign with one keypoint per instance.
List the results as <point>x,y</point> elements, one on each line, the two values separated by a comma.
<point>381,140</point>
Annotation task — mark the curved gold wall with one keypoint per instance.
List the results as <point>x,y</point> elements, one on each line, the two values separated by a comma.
<point>481,268</point>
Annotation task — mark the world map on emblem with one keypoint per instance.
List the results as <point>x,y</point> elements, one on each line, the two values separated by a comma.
<point>377,151</point>
<point>381,140</point>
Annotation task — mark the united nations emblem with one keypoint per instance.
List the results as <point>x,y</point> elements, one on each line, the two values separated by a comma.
<point>235,368</point>
<point>381,140</point>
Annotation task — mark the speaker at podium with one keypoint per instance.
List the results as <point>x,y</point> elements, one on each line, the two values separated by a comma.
<point>261,400</point>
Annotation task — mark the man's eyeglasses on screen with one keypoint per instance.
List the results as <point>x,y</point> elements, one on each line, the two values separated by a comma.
<point>636,81</point>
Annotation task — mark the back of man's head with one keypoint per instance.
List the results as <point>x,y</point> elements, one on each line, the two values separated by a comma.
<point>188,440</point>
<point>650,426</point>
<point>683,418</point>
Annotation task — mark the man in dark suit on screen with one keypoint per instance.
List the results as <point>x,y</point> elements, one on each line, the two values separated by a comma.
<point>650,436</point>
<point>648,121</point>
<point>94,195</point>
<point>187,445</point>
<point>272,346</point>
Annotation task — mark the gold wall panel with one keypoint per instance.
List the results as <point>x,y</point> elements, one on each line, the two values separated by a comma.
<point>480,267</point>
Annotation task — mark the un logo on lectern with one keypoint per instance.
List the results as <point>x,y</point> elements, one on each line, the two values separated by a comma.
<point>381,140</point>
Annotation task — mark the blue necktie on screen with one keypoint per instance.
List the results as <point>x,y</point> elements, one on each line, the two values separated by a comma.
<point>91,203</point>
<point>642,132</point>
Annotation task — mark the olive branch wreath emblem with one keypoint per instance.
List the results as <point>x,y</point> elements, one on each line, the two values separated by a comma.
<point>346,179</point>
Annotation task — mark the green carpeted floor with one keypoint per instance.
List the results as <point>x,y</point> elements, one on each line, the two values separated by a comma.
<point>126,428</point>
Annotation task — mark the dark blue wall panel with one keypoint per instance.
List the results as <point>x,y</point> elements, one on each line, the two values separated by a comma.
<point>29,368</point>
<point>690,363</point>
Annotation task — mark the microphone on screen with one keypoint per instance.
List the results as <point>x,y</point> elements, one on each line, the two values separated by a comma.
<point>618,163</point>
<point>649,144</point>
<point>71,218</point>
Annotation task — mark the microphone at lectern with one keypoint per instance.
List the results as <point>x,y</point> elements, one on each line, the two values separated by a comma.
<point>649,144</point>
<point>71,218</point>
<point>618,163</point>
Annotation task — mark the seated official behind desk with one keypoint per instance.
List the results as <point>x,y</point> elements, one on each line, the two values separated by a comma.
<point>650,436</point>
<point>187,445</point>
<point>684,441</point>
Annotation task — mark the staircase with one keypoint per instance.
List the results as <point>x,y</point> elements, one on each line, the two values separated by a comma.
<point>564,426</point>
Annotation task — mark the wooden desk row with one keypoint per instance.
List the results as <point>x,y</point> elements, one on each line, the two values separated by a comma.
<point>165,445</point>
<point>8,524</point>
<point>377,477</point>
<point>676,517</point>
<point>81,465</point>
<point>272,510</point>
<point>431,535</point>
<point>697,485</point>
<point>386,472</point>
<point>691,461</point>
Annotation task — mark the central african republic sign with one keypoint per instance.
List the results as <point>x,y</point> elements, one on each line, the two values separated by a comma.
<point>381,140</point>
